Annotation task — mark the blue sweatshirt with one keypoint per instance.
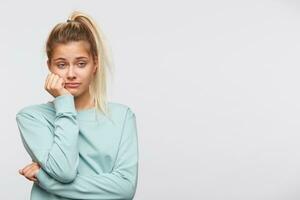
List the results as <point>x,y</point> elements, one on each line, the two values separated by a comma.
<point>83,154</point>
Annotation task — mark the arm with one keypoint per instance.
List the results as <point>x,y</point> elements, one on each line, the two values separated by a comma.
<point>56,152</point>
<point>120,184</point>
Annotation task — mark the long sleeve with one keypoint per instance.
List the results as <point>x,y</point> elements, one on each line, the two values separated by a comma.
<point>120,184</point>
<point>57,152</point>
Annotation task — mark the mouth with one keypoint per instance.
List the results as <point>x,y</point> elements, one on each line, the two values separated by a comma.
<point>72,85</point>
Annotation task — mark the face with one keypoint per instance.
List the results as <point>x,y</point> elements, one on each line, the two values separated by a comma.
<point>74,63</point>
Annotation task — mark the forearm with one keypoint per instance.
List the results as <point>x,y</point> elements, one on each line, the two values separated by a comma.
<point>106,186</point>
<point>56,151</point>
<point>120,184</point>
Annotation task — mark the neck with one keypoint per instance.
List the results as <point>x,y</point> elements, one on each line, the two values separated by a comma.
<point>83,101</point>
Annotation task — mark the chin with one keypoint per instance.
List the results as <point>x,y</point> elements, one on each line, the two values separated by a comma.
<point>76,93</point>
<point>73,92</point>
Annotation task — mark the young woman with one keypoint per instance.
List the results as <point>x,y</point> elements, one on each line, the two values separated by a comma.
<point>81,145</point>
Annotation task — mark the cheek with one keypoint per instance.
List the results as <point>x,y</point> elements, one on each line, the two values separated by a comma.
<point>86,80</point>
<point>57,71</point>
<point>88,76</point>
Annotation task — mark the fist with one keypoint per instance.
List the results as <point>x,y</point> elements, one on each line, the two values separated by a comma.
<point>30,171</point>
<point>55,85</point>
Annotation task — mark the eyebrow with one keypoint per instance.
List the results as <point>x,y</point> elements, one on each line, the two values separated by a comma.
<point>77,58</point>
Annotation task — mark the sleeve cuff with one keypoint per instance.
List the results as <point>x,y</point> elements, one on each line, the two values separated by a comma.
<point>64,103</point>
<point>42,177</point>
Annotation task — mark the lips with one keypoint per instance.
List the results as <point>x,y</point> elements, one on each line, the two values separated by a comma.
<point>72,85</point>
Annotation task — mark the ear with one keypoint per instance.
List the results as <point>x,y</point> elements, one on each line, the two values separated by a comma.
<point>96,66</point>
<point>95,69</point>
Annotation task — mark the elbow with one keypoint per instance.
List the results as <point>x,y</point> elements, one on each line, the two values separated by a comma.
<point>61,173</point>
<point>129,184</point>
<point>128,192</point>
<point>69,173</point>
<point>67,176</point>
<point>64,172</point>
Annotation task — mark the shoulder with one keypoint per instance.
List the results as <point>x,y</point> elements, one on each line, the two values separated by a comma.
<point>120,111</point>
<point>37,111</point>
<point>120,108</point>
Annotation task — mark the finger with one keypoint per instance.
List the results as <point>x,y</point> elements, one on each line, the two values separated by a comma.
<point>31,173</point>
<point>27,177</point>
<point>20,171</point>
<point>30,179</point>
<point>30,176</point>
<point>26,168</point>
<point>54,82</point>
<point>35,163</point>
<point>61,82</point>
<point>27,172</point>
<point>50,80</point>
<point>29,167</point>
<point>47,80</point>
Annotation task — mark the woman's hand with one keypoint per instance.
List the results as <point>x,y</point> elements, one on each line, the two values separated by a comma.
<point>30,171</point>
<point>55,85</point>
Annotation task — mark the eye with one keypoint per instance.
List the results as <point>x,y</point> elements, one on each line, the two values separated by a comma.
<point>60,65</point>
<point>82,64</point>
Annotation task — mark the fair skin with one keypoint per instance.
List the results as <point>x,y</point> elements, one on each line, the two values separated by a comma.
<point>70,63</point>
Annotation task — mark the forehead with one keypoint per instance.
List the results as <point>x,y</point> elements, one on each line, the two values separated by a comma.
<point>71,50</point>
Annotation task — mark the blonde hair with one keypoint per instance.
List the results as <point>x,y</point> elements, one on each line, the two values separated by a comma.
<point>81,26</point>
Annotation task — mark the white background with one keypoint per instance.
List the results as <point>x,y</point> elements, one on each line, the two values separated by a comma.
<point>214,86</point>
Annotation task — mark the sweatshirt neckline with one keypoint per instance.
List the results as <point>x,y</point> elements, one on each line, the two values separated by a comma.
<point>88,114</point>
<point>82,111</point>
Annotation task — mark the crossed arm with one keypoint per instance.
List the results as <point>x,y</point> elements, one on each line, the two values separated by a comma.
<point>57,152</point>
<point>120,183</point>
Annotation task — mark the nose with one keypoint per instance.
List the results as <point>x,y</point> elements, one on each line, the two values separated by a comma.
<point>71,74</point>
